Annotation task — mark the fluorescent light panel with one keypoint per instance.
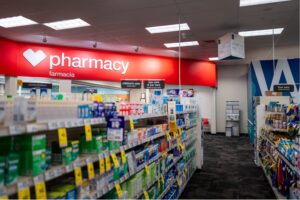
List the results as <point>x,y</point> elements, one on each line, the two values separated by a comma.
<point>16,21</point>
<point>213,58</point>
<point>275,31</point>
<point>182,44</point>
<point>244,3</point>
<point>168,28</point>
<point>67,24</point>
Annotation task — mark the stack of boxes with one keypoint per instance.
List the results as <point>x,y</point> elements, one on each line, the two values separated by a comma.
<point>232,118</point>
<point>32,152</point>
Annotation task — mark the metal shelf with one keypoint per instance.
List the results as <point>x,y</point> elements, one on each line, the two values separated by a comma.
<point>276,192</point>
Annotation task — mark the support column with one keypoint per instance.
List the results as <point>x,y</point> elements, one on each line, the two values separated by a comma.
<point>10,86</point>
<point>213,112</point>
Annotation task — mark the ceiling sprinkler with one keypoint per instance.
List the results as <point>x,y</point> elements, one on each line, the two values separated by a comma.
<point>95,45</point>
<point>136,50</point>
<point>45,39</point>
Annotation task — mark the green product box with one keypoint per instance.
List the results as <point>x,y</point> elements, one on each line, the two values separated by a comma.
<point>62,155</point>
<point>48,158</point>
<point>85,147</point>
<point>30,142</point>
<point>97,144</point>
<point>75,149</point>
<point>93,146</point>
<point>7,145</point>
<point>32,163</point>
<point>116,173</point>
<point>11,168</point>
<point>2,170</point>
<point>132,187</point>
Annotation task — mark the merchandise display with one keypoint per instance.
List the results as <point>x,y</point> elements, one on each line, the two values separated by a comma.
<point>279,150</point>
<point>95,149</point>
<point>149,99</point>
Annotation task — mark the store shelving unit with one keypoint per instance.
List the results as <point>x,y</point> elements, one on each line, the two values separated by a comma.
<point>263,135</point>
<point>277,194</point>
<point>58,171</point>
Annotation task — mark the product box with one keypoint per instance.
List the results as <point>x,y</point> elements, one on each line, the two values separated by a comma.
<point>74,145</point>
<point>30,142</point>
<point>11,168</point>
<point>32,163</point>
<point>61,155</point>
<point>2,170</point>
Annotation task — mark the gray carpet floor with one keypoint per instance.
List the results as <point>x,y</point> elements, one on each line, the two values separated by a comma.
<point>228,172</point>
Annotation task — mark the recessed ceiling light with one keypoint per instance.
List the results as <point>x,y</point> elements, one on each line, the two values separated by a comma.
<point>275,31</point>
<point>67,24</point>
<point>213,58</point>
<point>168,28</point>
<point>244,3</point>
<point>16,21</point>
<point>182,44</point>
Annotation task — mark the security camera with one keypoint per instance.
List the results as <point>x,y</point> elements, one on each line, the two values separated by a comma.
<point>95,45</point>
<point>45,39</point>
<point>136,50</point>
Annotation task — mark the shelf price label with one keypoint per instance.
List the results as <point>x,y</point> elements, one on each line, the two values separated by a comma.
<point>4,197</point>
<point>178,139</point>
<point>162,179</point>
<point>107,164</point>
<point>147,169</point>
<point>168,136</point>
<point>179,181</point>
<point>119,190</point>
<point>180,131</point>
<point>23,191</point>
<point>123,156</point>
<point>3,194</point>
<point>175,134</point>
<point>115,160</point>
<point>146,195</point>
<point>182,146</point>
<point>78,176</point>
<point>40,187</point>
<point>131,123</point>
<point>40,190</point>
<point>101,166</point>
<point>62,137</point>
<point>91,172</point>
<point>88,132</point>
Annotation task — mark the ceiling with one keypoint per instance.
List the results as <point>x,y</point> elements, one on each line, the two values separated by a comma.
<point>119,25</point>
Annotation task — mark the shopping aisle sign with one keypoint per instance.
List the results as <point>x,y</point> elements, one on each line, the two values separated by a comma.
<point>156,84</point>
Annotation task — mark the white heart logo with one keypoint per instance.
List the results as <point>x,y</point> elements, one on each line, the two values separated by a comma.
<point>34,57</point>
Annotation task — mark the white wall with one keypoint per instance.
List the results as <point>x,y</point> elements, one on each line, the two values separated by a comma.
<point>232,85</point>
